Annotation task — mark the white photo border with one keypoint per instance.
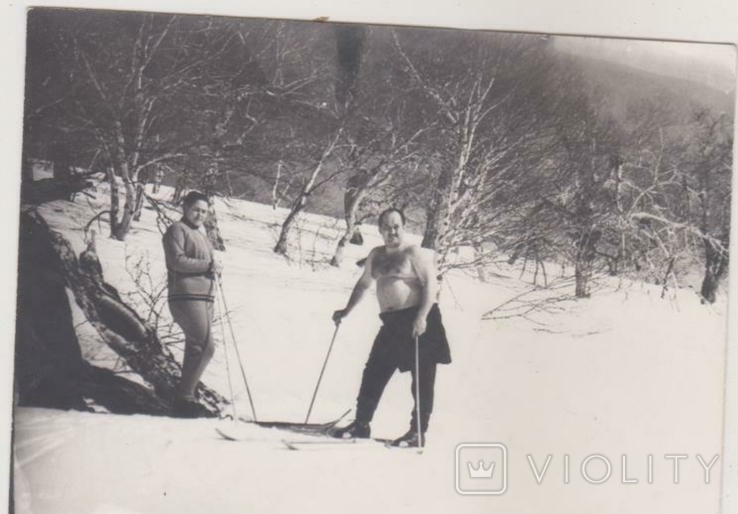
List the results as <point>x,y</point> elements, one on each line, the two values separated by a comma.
<point>713,21</point>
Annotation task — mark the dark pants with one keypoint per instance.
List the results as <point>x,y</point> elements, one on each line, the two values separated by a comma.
<point>393,349</point>
<point>377,374</point>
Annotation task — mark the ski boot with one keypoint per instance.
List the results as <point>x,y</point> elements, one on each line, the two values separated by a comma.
<point>189,408</point>
<point>410,440</point>
<point>356,430</point>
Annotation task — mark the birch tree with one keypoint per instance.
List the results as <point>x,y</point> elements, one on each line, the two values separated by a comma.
<point>385,132</point>
<point>471,81</point>
<point>137,77</point>
<point>316,118</point>
<point>707,172</point>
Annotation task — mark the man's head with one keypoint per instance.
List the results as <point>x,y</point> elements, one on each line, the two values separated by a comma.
<point>195,206</point>
<point>392,227</point>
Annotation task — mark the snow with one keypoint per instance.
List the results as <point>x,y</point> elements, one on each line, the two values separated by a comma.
<point>42,170</point>
<point>624,372</point>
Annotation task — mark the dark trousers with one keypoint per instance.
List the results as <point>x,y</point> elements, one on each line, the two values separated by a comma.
<point>377,373</point>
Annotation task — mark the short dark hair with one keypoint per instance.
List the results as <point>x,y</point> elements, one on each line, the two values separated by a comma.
<point>194,196</point>
<point>389,211</point>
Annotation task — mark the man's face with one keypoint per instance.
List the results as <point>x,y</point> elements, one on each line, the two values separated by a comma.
<point>197,212</point>
<point>392,229</point>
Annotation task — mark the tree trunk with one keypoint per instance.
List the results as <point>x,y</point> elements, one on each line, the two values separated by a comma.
<point>140,192</point>
<point>208,187</point>
<point>212,230</point>
<point>275,188</point>
<point>438,219</point>
<point>307,189</point>
<point>114,200</point>
<point>716,262</point>
<point>62,168</point>
<point>179,188</point>
<point>583,263</point>
<point>129,206</point>
<point>158,176</point>
<point>665,285</point>
<point>338,255</point>
<point>53,371</point>
<point>479,256</point>
<point>581,276</point>
<point>27,171</point>
<point>122,166</point>
<point>281,246</point>
<point>353,199</point>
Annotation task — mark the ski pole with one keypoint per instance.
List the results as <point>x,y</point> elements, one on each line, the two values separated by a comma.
<point>325,363</point>
<point>417,392</point>
<point>228,367</point>
<point>235,346</point>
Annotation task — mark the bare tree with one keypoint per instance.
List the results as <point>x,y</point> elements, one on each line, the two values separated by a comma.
<point>313,182</point>
<point>482,128</point>
<point>707,183</point>
<point>385,139</point>
<point>673,196</point>
<point>310,111</point>
<point>136,78</point>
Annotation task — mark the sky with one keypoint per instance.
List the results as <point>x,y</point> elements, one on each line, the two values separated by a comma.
<point>711,64</point>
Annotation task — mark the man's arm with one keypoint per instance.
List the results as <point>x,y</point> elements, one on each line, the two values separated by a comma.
<point>364,283</point>
<point>424,264</point>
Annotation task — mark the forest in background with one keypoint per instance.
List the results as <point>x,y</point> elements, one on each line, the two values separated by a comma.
<point>496,145</point>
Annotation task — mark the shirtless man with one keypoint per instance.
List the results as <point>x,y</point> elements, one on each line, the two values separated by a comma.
<point>406,289</point>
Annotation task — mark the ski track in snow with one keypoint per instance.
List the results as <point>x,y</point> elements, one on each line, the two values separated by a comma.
<point>623,372</point>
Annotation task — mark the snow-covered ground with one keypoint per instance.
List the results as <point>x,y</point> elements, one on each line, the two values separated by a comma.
<point>623,373</point>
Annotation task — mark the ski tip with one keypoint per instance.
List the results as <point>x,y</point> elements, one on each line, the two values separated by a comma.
<point>289,445</point>
<point>224,435</point>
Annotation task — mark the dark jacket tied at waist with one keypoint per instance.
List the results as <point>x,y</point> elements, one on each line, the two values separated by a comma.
<point>395,339</point>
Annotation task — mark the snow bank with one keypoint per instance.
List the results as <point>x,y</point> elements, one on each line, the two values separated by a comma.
<point>624,372</point>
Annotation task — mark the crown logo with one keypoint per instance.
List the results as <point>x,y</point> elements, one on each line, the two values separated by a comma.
<point>481,472</point>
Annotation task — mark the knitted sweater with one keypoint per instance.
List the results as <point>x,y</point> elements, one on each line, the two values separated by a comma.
<point>189,257</point>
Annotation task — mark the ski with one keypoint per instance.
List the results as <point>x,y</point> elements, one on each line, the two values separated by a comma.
<point>317,435</point>
<point>228,435</point>
<point>296,445</point>
<point>312,441</point>
<point>303,428</point>
<point>310,429</point>
<point>330,442</point>
<point>387,443</point>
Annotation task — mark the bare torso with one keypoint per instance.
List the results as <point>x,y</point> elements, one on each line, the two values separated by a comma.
<point>398,284</point>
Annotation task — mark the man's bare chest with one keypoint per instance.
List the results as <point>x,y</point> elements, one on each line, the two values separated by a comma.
<point>397,265</point>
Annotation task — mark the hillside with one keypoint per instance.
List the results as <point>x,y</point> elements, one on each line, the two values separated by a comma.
<point>622,372</point>
<point>623,86</point>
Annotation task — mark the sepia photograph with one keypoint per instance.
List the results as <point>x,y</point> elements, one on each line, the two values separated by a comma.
<point>280,265</point>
